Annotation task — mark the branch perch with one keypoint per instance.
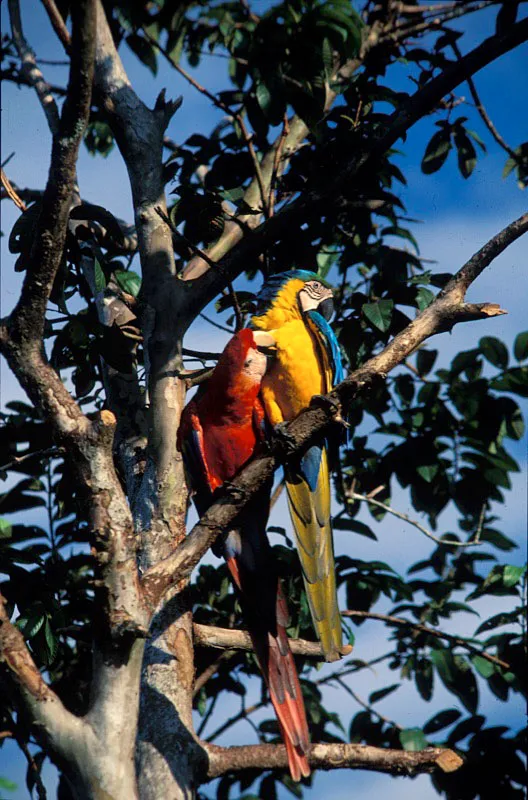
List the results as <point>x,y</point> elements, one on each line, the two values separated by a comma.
<point>333,756</point>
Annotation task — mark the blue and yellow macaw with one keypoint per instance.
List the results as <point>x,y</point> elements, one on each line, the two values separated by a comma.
<point>294,308</point>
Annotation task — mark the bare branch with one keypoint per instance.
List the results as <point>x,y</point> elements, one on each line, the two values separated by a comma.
<point>445,311</point>
<point>58,23</point>
<point>232,639</point>
<point>44,707</point>
<point>333,756</point>
<point>11,192</point>
<point>405,623</point>
<point>30,70</point>
<point>482,111</point>
<point>361,498</point>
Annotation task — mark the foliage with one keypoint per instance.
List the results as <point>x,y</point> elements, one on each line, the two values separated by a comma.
<point>445,434</point>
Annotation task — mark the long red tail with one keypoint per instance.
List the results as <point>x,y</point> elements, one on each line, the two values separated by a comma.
<point>278,668</point>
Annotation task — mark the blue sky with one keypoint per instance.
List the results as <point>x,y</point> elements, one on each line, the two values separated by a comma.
<point>457,217</point>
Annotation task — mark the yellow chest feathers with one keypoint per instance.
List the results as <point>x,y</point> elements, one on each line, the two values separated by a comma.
<point>296,374</point>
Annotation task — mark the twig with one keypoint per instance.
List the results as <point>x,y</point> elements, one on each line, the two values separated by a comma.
<point>201,355</point>
<point>276,162</point>
<point>11,192</point>
<point>248,138</point>
<point>222,107</point>
<point>482,111</point>
<point>239,317</point>
<point>234,719</point>
<point>216,324</point>
<point>175,232</point>
<point>447,542</point>
<point>365,705</point>
<point>50,452</point>
<point>404,623</point>
<point>211,670</point>
<point>30,69</point>
<point>207,716</point>
<point>58,23</point>
<point>276,494</point>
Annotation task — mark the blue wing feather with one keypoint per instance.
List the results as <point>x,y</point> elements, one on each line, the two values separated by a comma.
<point>331,345</point>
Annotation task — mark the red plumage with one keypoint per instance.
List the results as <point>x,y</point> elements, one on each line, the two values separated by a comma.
<point>219,431</point>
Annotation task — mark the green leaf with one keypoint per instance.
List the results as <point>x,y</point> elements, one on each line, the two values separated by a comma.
<point>52,643</point>
<point>512,575</point>
<point>263,97</point>
<point>467,155</point>
<point>128,281</point>
<point>520,347</point>
<point>424,297</point>
<point>428,472</point>
<point>325,260</point>
<point>494,351</point>
<point>6,528</point>
<point>413,739</point>
<point>8,785</point>
<point>100,280</point>
<point>483,666</point>
<point>425,360</point>
<point>144,51</point>
<point>441,720</point>
<point>436,151</point>
<point>374,697</point>
<point>379,314</point>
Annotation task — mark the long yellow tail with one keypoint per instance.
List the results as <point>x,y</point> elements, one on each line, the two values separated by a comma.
<point>310,513</point>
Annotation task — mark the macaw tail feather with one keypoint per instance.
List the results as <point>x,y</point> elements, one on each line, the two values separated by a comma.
<point>267,628</point>
<point>309,502</point>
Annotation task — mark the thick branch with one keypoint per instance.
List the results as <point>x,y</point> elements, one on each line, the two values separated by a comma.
<point>333,756</point>
<point>88,444</point>
<point>56,724</point>
<point>445,311</point>
<point>230,639</point>
<point>415,108</point>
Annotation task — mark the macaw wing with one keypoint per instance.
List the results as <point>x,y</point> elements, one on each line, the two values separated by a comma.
<point>191,444</point>
<point>331,355</point>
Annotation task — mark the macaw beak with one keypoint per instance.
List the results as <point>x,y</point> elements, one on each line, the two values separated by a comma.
<point>326,308</point>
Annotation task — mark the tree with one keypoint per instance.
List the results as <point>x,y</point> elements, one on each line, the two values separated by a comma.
<point>300,172</point>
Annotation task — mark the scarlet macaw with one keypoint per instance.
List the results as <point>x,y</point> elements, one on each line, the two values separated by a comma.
<point>294,308</point>
<point>218,434</point>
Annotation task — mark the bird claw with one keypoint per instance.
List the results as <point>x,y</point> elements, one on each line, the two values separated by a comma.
<point>331,405</point>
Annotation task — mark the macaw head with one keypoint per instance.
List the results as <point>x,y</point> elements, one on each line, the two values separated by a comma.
<point>241,358</point>
<point>292,294</point>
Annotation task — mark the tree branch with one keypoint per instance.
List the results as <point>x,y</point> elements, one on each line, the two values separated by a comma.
<point>361,498</point>
<point>88,444</point>
<point>405,623</point>
<point>445,311</point>
<point>333,756</point>
<point>30,70</point>
<point>231,639</point>
<point>422,102</point>
<point>56,724</point>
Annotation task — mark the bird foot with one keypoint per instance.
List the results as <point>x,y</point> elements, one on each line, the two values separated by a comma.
<point>331,405</point>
